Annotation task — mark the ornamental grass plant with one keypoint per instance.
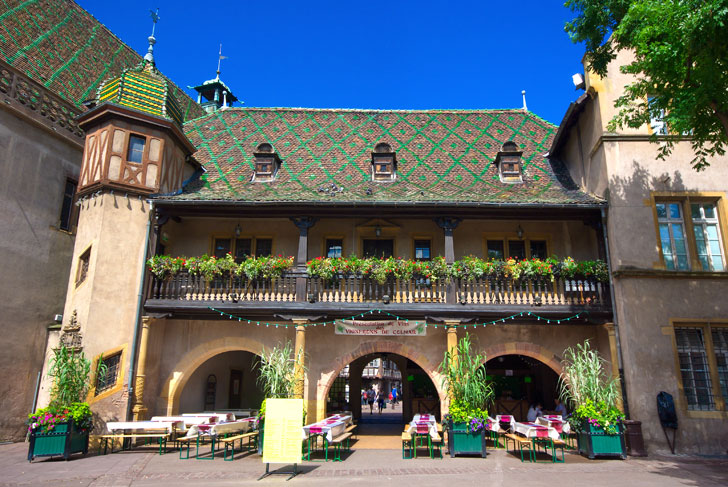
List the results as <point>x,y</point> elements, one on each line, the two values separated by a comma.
<point>70,372</point>
<point>590,389</point>
<point>464,379</point>
<point>277,373</point>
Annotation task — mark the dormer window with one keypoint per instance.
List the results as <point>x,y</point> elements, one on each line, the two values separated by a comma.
<point>508,161</point>
<point>384,163</point>
<point>267,163</point>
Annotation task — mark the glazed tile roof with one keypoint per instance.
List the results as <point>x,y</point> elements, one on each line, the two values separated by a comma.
<point>64,48</point>
<point>442,156</point>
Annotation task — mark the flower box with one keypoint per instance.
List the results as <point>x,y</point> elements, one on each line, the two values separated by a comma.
<point>64,440</point>
<point>460,441</point>
<point>595,442</point>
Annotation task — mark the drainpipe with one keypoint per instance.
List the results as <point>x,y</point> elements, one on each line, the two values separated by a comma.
<point>137,325</point>
<point>620,364</point>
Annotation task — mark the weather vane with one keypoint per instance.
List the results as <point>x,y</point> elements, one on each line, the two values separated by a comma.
<point>219,59</point>
<point>155,19</point>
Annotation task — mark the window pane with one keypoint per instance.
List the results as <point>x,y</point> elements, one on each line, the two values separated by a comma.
<point>222,247</point>
<point>243,249</point>
<point>709,210</point>
<point>720,345</point>
<point>661,210</point>
<point>263,247</point>
<point>136,148</point>
<point>67,205</point>
<point>334,247</point>
<point>422,250</point>
<point>694,368</point>
<point>109,372</point>
<point>674,210</point>
<point>695,211</point>
<point>495,249</point>
<point>517,249</point>
<point>538,249</point>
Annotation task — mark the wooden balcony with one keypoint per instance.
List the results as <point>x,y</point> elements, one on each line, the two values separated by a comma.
<point>296,291</point>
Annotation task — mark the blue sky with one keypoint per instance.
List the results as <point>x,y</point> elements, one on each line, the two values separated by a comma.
<point>372,54</point>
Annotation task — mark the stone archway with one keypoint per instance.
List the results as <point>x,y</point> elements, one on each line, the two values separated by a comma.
<point>190,361</point>
<point>326,379</point>
<point>544,355</point>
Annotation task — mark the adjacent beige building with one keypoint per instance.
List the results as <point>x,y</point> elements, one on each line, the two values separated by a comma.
<point>666,227</point>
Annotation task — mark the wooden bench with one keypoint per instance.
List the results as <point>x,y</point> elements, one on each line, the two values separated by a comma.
<point>554,445</point>
<point>229,442</point>
<point>406,443</point>
<point>161,437</point>
<point>337,442</point>
<point>436,443</point>
<point>522,442</point>
<point>351,429</point>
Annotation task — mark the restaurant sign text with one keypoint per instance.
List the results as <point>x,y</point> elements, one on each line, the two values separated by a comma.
<point>380,328</point>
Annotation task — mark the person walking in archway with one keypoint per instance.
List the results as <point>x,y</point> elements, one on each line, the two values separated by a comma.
<point>371,395</point>
<point>380,400</point>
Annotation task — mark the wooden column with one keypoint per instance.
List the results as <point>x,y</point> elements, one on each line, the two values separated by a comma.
<point>139,410</point>
<point>300,356</point>
<point>448,226</point>
<point>303,223</point>
<point>614,359</point>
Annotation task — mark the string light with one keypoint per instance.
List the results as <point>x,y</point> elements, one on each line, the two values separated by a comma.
<point>419,323</point>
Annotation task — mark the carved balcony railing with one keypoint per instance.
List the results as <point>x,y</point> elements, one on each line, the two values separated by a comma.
<point>485,292</point>
<point>534,292</point>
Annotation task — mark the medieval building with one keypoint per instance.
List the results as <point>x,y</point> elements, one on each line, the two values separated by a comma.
<point>151,172</point>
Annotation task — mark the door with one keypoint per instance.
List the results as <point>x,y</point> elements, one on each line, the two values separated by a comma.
<point>236,388</point>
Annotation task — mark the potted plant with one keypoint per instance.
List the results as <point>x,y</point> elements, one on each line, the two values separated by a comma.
<point>593,393</point>
<point>464,380</point>
<point>63,427</point>
<point>277,377</point>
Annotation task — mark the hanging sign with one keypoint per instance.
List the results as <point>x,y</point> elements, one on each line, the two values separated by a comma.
<point>380,328</point>
<point>282,433</point>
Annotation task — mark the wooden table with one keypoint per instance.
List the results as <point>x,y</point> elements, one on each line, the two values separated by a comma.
<point>327,429</point>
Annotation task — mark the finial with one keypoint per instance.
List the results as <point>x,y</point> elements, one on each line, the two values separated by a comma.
<point>220,57</point>
<point>150,51</point>
<point>525,108</point>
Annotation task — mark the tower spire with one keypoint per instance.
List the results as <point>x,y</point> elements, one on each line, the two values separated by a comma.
<point>149,56</point>
<point>220,57</point>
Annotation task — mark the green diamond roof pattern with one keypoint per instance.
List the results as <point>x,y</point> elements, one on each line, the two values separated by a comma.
<point>326,156</point>
<point>61,46</point>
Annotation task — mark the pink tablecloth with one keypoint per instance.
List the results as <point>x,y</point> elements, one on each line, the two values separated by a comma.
<point>330,427</point>
<point>423,428</point>
<point>559,425</point>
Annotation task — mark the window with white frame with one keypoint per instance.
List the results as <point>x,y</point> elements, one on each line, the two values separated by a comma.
<point>672,235</point>
<point>707,236</point>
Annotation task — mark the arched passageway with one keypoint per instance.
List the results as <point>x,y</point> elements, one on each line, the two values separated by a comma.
<point>226,381</point>
<point>520,381</point>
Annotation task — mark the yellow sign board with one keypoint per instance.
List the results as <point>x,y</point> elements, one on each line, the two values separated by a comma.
<point>282,435</point>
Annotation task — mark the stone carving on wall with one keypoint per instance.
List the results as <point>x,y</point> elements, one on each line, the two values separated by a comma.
<point>71,336</point>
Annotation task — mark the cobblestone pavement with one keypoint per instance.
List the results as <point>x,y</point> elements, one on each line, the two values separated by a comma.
<point>144,468</point>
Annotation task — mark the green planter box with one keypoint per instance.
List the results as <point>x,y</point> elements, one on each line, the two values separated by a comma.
<point>64,440</point>
<point>461,442</point>
<point>595,442</point>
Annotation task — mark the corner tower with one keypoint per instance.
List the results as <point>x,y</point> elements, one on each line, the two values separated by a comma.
<point>135,148</point>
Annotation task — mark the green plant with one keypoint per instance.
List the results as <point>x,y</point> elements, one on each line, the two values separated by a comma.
<point>265,267</point>
<point>164,266</point>
<point>70,372</point>
<point>277,370</point>
<point>585,383</point>
<point>45,420</point>
<point>463,377</point>
<point>599,415</point>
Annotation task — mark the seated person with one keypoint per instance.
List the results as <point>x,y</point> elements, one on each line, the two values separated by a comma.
<point>560,409</point>
<point>534,412</point>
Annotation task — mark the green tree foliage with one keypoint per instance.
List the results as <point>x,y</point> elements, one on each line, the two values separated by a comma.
<point>680,66</point>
